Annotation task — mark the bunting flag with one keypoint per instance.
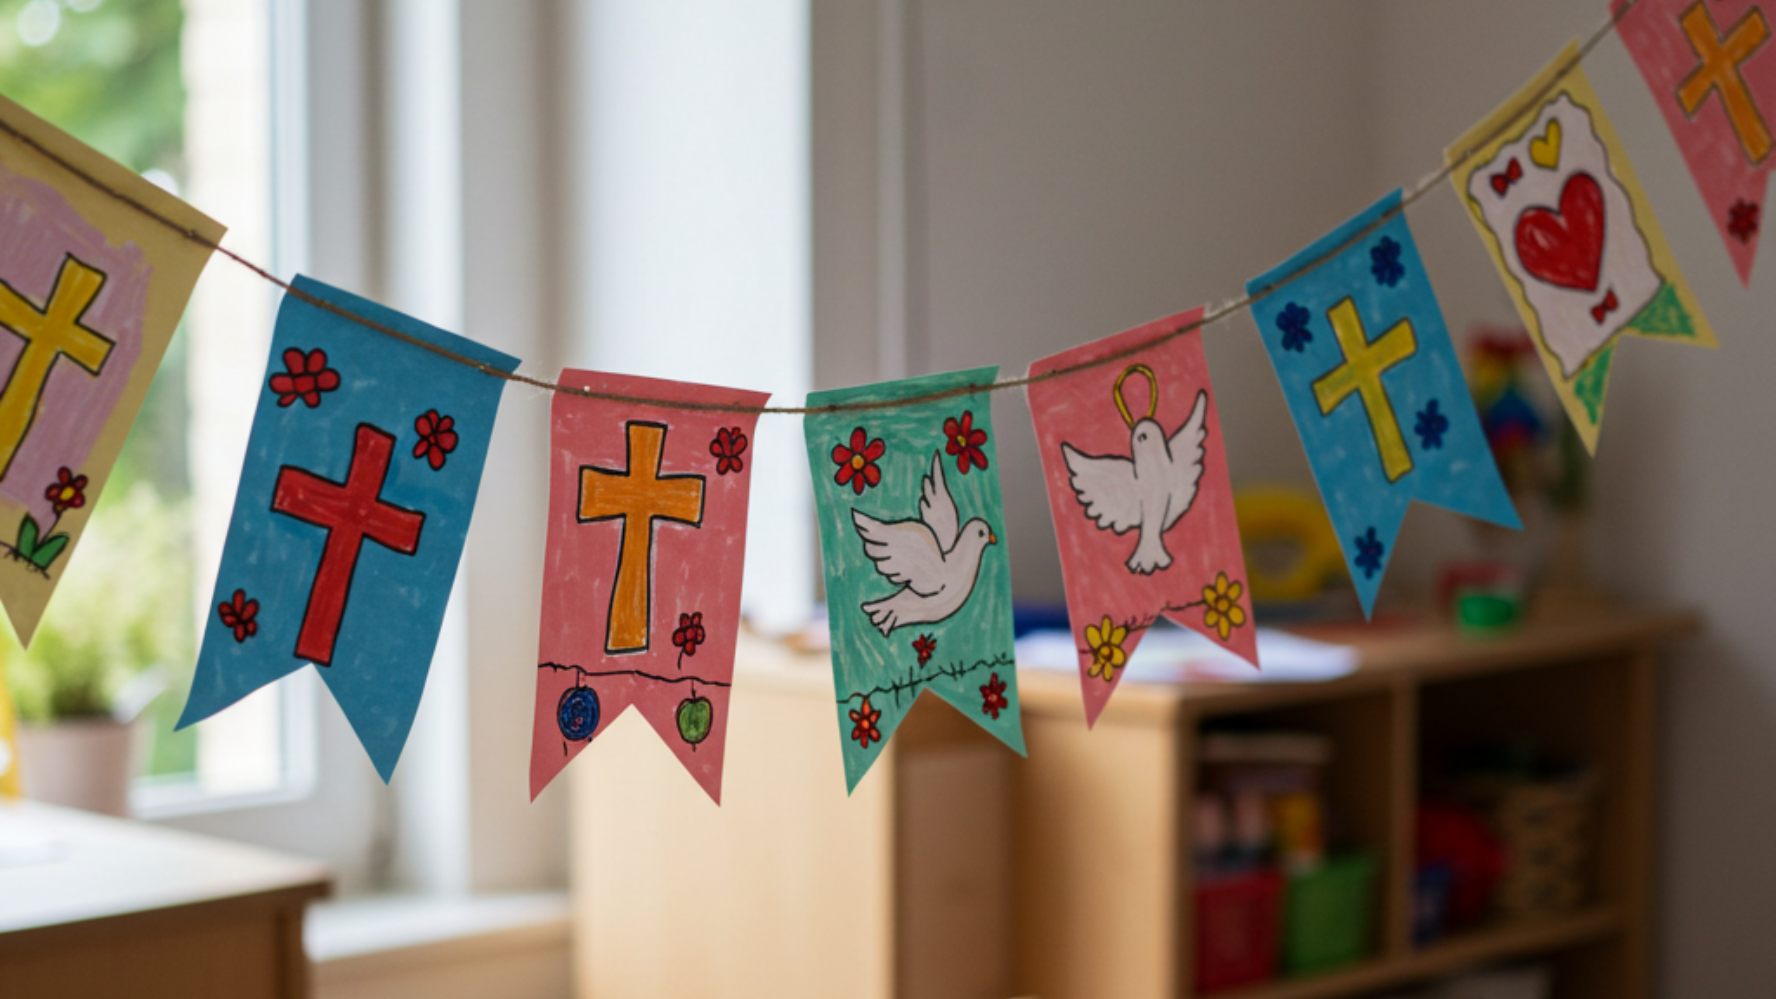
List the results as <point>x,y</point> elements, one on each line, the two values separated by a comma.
<point>918,585</point>
<point>1142,504</point>
<point>1713,77</point>
<point>1558,207</point>
<point>360,477</point>
<point>641,580</point>
<point>91,290</point>
<point>1371,377</point>
<point>9,758</point>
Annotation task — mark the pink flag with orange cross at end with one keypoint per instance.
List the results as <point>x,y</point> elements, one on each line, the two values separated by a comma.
<point>1713,75</point>
<point>641,577</point>
<point>1138,486</point>
<point>91,289</point>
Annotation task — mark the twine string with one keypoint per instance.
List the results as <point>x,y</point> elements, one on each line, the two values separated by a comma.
<point>1209,315</point>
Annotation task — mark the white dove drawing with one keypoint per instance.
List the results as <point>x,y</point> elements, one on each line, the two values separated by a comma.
<point>932,560</point>
<point>1149,490</point>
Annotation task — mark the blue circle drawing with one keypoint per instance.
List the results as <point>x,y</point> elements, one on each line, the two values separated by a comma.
<point>578,713</point>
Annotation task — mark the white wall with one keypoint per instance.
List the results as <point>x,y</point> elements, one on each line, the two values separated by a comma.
<point>1075,168</point>
<point>1079,168</point>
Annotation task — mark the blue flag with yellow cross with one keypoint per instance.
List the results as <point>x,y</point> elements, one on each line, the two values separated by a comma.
<point>1353,330</point>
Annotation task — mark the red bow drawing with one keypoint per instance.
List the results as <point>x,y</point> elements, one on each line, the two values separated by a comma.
<point>1605,307</point>
<point>1501,182</point>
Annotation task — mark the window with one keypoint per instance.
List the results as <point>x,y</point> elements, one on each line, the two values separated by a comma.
<point>180,92</point>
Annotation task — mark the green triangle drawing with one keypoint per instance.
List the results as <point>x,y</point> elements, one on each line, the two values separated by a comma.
<point>1664,316</point>
<point>1593,380</point>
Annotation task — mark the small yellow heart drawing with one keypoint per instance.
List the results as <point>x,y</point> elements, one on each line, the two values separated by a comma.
<point>1545,151</point>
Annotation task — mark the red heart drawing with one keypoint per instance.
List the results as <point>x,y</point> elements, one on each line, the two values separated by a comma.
<point>1565,248</point>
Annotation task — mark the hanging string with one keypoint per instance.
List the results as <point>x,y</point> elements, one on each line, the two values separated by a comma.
<point>1209,315</point>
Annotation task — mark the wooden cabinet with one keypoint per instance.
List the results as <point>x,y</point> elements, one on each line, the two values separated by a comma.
<point>792,888</point>
<point>1117,920</point>
<point>958,869</point>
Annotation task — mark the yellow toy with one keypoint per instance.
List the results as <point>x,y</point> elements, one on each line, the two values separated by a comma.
<point>1291,551</point>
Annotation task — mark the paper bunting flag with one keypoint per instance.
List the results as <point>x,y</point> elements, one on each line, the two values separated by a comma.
<point>1559,209</point>
<point>641,582</point>
<point>1143,509</point>
<point>918,585</point>
<point>9,758</point>
<point>91,290</point>
<point>1371,377</point>
<point>1715,80</point>
<point>360,476</point>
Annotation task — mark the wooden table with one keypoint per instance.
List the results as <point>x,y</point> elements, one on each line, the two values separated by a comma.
<point>124,909</point>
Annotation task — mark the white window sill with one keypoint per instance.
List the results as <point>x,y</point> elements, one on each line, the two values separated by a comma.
<point>441,946</point>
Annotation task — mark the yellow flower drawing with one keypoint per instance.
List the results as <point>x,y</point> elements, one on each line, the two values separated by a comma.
<point>1224,612</point>
<point>1106,646</point>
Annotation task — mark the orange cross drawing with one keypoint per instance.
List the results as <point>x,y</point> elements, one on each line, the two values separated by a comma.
<point>1718,72</point>
<point>50,333</point>
<point>641,497</point>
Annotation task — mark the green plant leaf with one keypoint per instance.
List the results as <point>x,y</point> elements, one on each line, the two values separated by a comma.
<point>27,539</point>
<point>48,550</point>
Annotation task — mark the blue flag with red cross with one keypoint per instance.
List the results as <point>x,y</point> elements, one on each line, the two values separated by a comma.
<point>360,477</point>
<point>1353,330</point>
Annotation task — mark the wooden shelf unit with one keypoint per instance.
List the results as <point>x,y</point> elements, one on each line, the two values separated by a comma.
<point>959,871</point>
<point>1583,688</point>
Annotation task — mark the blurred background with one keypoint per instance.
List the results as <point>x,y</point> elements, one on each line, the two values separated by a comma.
<point>800,194</point>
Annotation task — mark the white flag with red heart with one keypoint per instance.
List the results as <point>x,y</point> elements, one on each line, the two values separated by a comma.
<point>1557,204</point>
<point>1567,233</point>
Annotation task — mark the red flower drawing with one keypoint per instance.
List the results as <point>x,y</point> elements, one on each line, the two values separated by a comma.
<point>964,441</point>
<point>308,376</point>
<point>857,463</point>
<point>238,614</point>
<point>993,697</point>
<point>1743,219</point>
<point>436,439</point>
<point>864,719</point>
<point>68,492</point>
<point>924,645</point>
<point>689,633</point>
<point>728,446</point>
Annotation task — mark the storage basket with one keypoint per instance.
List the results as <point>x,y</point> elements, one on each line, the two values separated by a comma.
<point>1237,924</point>
<point>1548,832</point>
<point>1327,917</point>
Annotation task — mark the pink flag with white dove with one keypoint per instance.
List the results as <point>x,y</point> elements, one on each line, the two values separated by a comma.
<point>1138,486</point>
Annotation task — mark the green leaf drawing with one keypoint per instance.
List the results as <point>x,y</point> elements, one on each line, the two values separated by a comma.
<point>47,552</point>
<point>27,537</point>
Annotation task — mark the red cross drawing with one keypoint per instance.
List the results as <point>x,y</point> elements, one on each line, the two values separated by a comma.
<point>350,512</point>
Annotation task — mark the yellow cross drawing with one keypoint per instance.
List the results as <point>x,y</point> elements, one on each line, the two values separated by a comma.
<point>638,495</point>
<point>1718,72</point>
<point>1360,375</point>
<point>48,334</point>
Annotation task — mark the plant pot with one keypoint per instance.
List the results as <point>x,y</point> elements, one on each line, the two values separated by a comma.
<point>83,763</point>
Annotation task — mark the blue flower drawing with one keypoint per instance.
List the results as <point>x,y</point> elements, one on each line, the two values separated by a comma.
<point>1385,262</point>
<point>1293,322</point>
<point>1432,425</point>
<point>1369,551</point>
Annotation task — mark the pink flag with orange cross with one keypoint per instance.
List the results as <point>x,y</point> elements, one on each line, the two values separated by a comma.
<point>1138,486</point>
<point>641,576</point>
<point>1713,76</point>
